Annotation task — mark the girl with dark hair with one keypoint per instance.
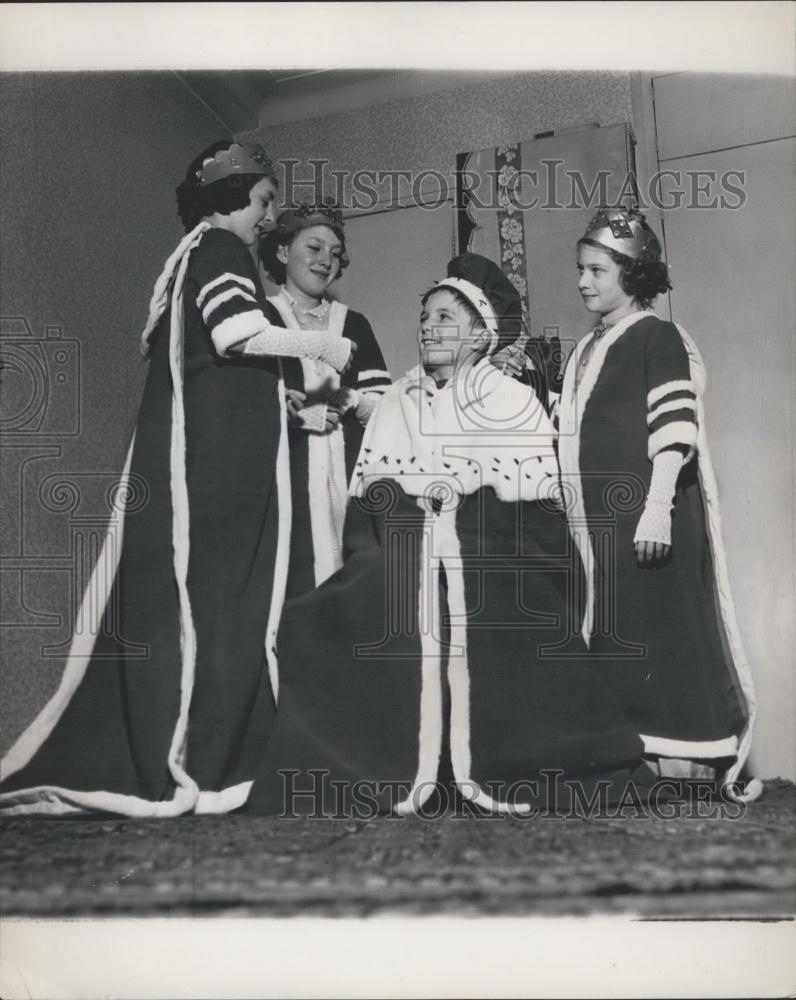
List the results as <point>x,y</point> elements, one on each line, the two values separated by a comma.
<point>443,647</point>
<point>305,254</point>
<point>166,708</point>
<point>644,512</point>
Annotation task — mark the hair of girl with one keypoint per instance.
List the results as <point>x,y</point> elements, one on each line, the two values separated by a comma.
<point>196,201</point>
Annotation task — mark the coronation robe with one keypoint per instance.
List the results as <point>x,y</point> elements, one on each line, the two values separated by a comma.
<point>174,718</point>
<point>447,633</point>
<point>665,638</point>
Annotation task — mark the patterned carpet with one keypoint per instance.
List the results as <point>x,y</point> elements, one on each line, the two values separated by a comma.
<point>650,866</point>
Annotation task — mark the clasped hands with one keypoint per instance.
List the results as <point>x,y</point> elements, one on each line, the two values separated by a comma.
<point>337,403</point>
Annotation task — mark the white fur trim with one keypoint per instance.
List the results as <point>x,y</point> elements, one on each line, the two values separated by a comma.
<point>458,669</point>
<point>677,385</point>
<point>223,279</point>
<point>221,298</point>
<point>482,429</point>
<point>181,524</point>
<point>224,801</point>
<point>459,672</point>
<point>327,482</point>
<point>430,728</point>
<point>49,800</point>
<point>282,561</point>
<point>327,513</point>
<point>160,293</point>
<point>363,376</point>
<point>96,596</point>
<point>695,749</point>
<point>678,432</point>
<point>235,329</point>
<point>670,407</point>
<point>479,301</point>
<point>710,493</point>
<point>572,403</point>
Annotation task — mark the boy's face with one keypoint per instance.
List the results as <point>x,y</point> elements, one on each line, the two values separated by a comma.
<point>446,329</point>
<point>599,283</point>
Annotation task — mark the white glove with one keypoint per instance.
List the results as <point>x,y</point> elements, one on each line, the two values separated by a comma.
<point>653,538</point>
<point>279,342</point>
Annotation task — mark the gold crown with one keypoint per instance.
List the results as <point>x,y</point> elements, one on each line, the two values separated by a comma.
<point>235,160</point>
<point>621,231</point>
<point>305,215</point>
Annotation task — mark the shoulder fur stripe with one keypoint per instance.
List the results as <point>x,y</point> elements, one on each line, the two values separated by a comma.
<point>671,406</point>
<point>704,749</point>
<point>677,385</point>
<point>675,433</point>
<point>221,298</point>
<point>221,280</point>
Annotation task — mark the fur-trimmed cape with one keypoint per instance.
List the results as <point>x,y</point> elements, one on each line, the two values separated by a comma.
<point>447,630</point>
<point>665,638</point>
<point>170,711</point>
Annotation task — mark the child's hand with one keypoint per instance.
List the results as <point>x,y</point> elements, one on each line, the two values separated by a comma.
<point>511,360</point>
<point>651,553</point>
<point>343,399</point>
<point>653,540</point>
<point>350,357</point>
<point>333,417</point>
<point>295,401</point>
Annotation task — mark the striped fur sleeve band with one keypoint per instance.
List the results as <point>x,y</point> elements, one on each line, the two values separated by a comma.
<point>229,310</point>
<point>373,380</point>
<point>671,417</point>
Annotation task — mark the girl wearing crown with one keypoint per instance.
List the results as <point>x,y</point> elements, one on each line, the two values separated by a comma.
<point>444,641</point>
<point>166,707</point>
<point>644,513</point>
<point>305,254</point>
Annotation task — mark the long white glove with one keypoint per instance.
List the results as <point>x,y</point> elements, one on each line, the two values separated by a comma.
<point>278,341</point>
<point>655,523</point>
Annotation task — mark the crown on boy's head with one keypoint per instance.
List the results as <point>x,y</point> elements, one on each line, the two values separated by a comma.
<point>235,160</point>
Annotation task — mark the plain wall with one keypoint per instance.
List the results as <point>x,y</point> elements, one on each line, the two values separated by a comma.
<point>732,272</point>
<point>88,214</point>
<point>427,131</point>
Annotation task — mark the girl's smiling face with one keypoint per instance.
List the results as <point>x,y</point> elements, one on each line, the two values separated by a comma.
<point>312,262</point>
<point>600,286</point>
